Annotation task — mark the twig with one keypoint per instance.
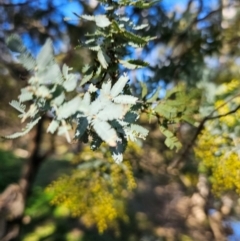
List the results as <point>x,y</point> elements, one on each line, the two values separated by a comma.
<point>201,127</point>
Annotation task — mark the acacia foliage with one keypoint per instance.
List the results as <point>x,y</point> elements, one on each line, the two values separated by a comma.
<point>97,190</point>
<point>100,106</point>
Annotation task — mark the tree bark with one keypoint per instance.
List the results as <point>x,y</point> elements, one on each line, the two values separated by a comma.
<point>13,199</point>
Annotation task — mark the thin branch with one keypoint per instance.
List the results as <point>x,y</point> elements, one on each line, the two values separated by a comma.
<point>200,128</point>
<point>226,114</point>
<point>209,15</point>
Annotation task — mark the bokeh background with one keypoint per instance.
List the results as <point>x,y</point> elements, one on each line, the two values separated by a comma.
<point>197,43</point>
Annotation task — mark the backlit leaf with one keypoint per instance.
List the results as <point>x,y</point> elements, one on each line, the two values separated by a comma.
<point>102,21</point>
<point>69,108</point>
<point>125,99</point>
<point>154,96</point>
<point>53,126</point>
<point>106,132</point>
<point>18,106</point>
<point>144,89</point>
<point>70,83</point>
<point>103,58</point>
<point>171,140</point>
<point>119,85</point>
<point>24,131</point>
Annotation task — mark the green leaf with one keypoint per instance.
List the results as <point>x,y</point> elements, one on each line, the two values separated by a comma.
<point>131,117</point>
<point>106,132</point>
<point>140,131</point>
<point>174,90</point>
<point>171,140</point>
<point>88,74</point>
<point>133,38</point>
<point>15,44</point>
<point>154,96</point>
<point>81,127</point>
<point>144,89</point>
<point>163,109</point>
<point>119,85</point>
<point>86,79</point>
<point>141,4</point>
<point>96,142</point>
<point>116,26</point>
<point>133,64</point>
<point>117,152</point>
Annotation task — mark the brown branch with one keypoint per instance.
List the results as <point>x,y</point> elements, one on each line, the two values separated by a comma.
<point>208,15</point>
<point>226,114</point>
<point>200,128</point>
<point>13,199</point>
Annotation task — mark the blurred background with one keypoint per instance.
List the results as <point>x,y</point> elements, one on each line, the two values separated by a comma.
<point>197,43</point>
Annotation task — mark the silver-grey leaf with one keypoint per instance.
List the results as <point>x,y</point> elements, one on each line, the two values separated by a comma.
<point>53,126</point>
<point>105,132</point>
<point>71,82</point>
<point>69,108</point>
<point>59,99</point>
<point>111,112</point>
<point>46,55</point>
<point>119,85</point>
<point>125,99</point>
<point>103,58</point>
<point>25,95</point>
<point>28,127</point>
<point>18,106</point>
<point>102,21</point>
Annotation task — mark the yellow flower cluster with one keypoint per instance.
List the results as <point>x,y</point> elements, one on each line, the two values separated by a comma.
<point>229,87</point>
<point>223,108</point>
<point>218,145</point>
<point>216,154</point>
<point>96,194</point>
